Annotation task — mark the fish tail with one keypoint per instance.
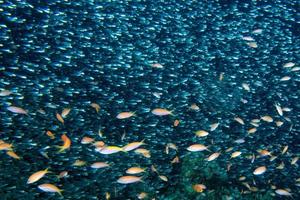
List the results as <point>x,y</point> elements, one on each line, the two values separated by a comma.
<point>61,149</point>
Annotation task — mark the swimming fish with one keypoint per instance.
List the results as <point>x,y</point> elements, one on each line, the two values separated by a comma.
<point>47,187</point>
<point>129,179</point>
<point>161,112</point>
<point>135,170</point>
<point>37,176</point>
<point>197,147</point>
<point>133,145</point>
<point>17,110</point>
<point>125,115</point>
<point>260,170</point>
<point>66,145</point>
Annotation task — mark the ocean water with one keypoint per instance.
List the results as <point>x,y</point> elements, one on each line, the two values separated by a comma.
<point>201,96</point>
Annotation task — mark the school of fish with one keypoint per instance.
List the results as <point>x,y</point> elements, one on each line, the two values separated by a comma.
<point>105,99</point>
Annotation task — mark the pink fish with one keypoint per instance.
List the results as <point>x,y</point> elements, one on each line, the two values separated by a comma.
<point>18,110</point>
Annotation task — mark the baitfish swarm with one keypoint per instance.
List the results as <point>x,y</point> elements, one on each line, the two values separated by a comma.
<point>149,99</point>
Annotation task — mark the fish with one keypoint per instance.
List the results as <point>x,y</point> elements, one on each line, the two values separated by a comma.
<point>164,178</point>
<point>4,93</point>
<point>48,187</point>
<point>59,118</point>
<point>17,110</point>
<point>125,115</point>
<point>176,123</point>
<point>66,145</point>
<point>96,107</point>
<point>283,192</point>
<point>37,176</point>
<point>129,179</point>
<point>135,170</point>
<point>214,126</point>
<point>87,140</point>
<point>199,188</point>
<point>267,118</point>
<point>13,155</point>
<point>197,147</point>
<point>50,134</point>
<point>133,145</point>
<point>201,133</point>
<point>236,154</point>
<point>213,156</point>
<point>65,112</point>
<point>284,150</point>
<point>260,170</point>
<point>279,109</point>
<point>111,150</point>
<point>98,165</point>
<point>6,146</point>
<point>79,163</point>
<point>239,120</point>
<point>161,112</point>
<point>288,64</point>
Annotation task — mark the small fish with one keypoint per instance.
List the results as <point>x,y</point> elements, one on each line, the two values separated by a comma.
<point>201,133</point>
<point>125,115</point>
<point>194,107</point>
<point>4,93</point>
<point>95,106</point>
<point>175,160</point>
<point>279,123</point>
<point>214,126</point>
<point>164,178</point>
<point>13,155</point>
<point>284,150</point>
<point>239,120</point>
<point>79,163</point>
<point>142,195</point>
<point>98,165</point>
<point>63,174</point>
<point>161,112</point>
<point>252,44</point>
<point>99,144</point>
<point>50,134</point>
<point>107,195</point>
<point>157,65</point>
<point>239,141</point>
<point>279,109</point>
<point>246,86</point>
<point>288,65</point>
<point>87,140</point>
<point>260,170</point>
<point>283,192</point>
<point>110,150</point>
<point>65,112</point>
<point>59,118</point>
<point>199,188</point>
<point>197,147</point>
<point>264,152</point>
<point>252,130</point>
<point>294,160</point>
<point>135,170</point>
<point>221,76</point>
<point>66,145</point>
<point>285,78</point>
<point>257,31</point>
<point>236,154</point>
<point>129,179</point>
<point>242,178</point>
<point>144,152</point>
<point>248,38</point>
<point>37,176</point>
<point>213,156</point>
<point>17,110</point>
<point>47,187</point>
<point>176,123</point>
<point>133,145</point>
<point>267,118</point>
<point>5,146</point>
<point>281,166</point>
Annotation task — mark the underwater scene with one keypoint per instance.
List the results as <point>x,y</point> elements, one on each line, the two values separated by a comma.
<point>149,99</point>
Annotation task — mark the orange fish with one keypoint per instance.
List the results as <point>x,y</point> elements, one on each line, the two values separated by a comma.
<point>161,112</point>
<point>37,176</point>
<point>176,122</point>
<point>95,106</point>
<point>125,115</point>
<point>50,134</point>
<point>17,110</point>
<point>13,155</point>
<point>66,145</point>
<point>65,112</point>
<point>47,187</point>
<point>59,118</point>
